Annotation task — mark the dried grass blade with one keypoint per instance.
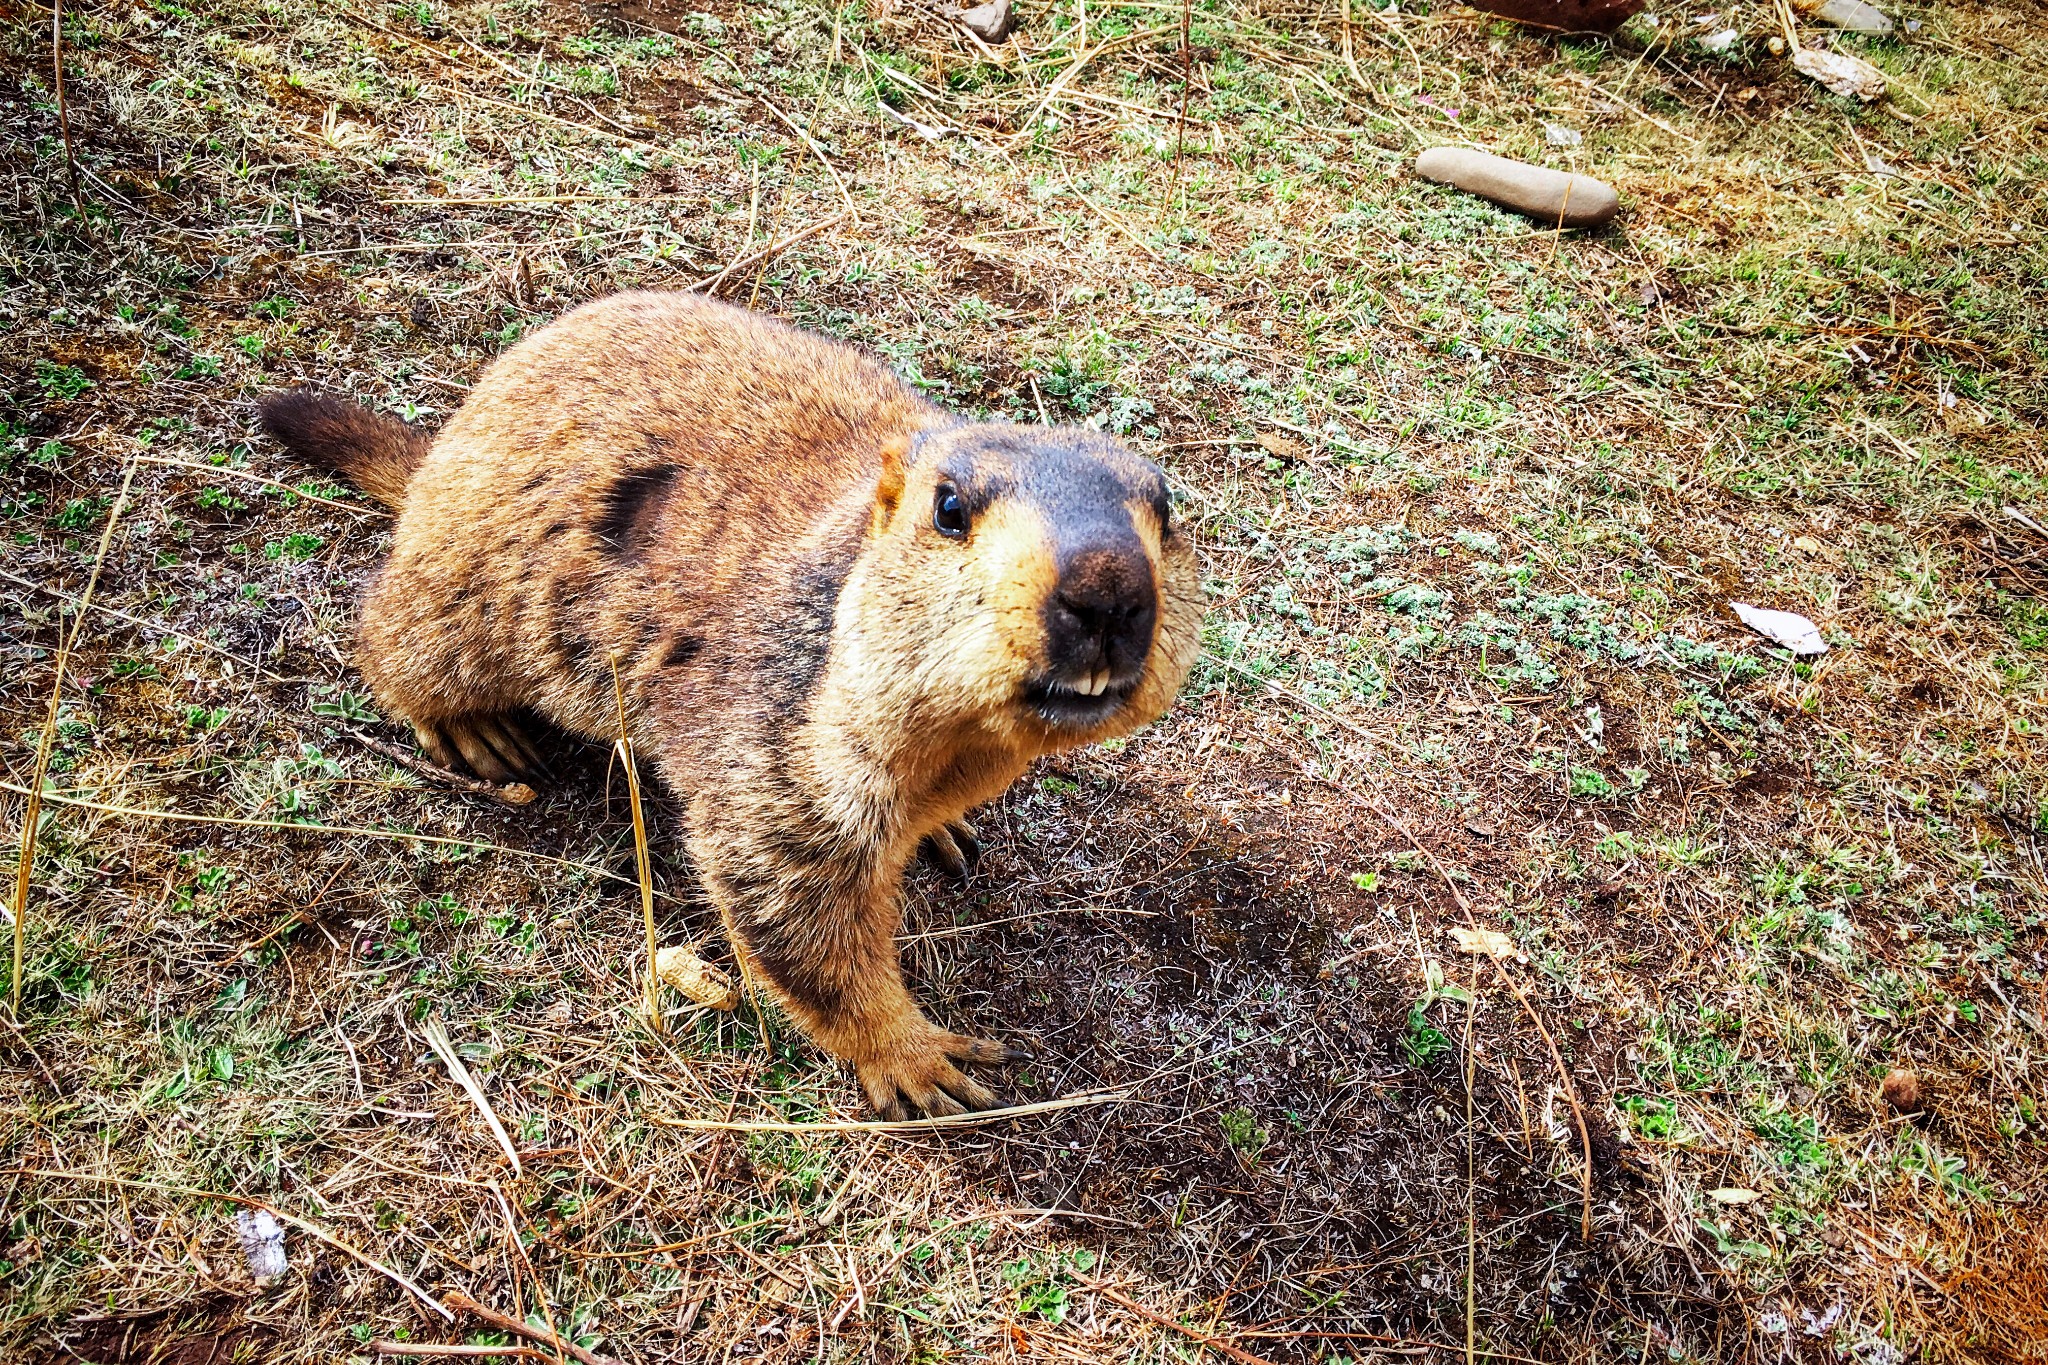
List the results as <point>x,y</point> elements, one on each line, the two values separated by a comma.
<point>652,979</point>
<point>32,806</point>
<point>506,1323</point>
<point>710,283</point>
<point>1052,91</point>
<point>266,482</point>
<point>427,1348</point>
<point>1195,1335</point>
<point>902,1126</point>
<point>360,831</point>
<point>436,1034</point>
<point>817,151</point>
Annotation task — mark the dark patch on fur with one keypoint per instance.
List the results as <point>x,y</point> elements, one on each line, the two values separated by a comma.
<point>791,961</point>
<point>681,651</point>
<point>781,908</point>
<point>805,637</point>
<point>631,508</point>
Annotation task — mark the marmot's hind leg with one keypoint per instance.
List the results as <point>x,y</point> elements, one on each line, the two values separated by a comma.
<point>495,748</point>
<point>952,848</point>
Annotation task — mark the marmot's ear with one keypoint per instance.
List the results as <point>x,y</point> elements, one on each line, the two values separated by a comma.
<point>889,487</point>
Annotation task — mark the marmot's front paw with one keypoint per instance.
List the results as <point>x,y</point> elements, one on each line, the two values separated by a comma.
<point>918,1078</point>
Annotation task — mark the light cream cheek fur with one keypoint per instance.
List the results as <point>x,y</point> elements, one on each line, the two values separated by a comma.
<point>943,647</point>
<point>981,633</point>
<point>993,610</point>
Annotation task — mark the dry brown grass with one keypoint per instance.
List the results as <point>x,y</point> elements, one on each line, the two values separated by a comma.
<point>1472,499</point>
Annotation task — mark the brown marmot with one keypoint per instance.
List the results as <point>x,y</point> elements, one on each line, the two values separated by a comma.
<point>842,617</point>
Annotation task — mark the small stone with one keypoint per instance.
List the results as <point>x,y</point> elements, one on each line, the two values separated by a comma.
<point>1553,198</point>
<point>1902,1091</point>
<point>699,981</point>
<point>991,23</point>
<point>1853,16</point>
<point>262,1244</point>
<point>1561,137</point>
<point>1841,73</point>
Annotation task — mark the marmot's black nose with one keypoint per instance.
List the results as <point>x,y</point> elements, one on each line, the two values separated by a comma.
<point>1099,619</point>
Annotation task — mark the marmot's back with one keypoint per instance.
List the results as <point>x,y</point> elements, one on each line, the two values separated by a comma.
<point>647,468</point>
<point>745,408</point>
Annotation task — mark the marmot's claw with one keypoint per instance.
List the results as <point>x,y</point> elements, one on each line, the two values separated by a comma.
<point>941,1104</point>
<point>942,851</point>
<point>969,844</point>
<point>492,748</point>
<point>922,1080</point>
<point>983,1051</point>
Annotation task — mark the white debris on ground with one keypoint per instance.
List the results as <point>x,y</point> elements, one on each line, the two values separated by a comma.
<point>1787,628</point>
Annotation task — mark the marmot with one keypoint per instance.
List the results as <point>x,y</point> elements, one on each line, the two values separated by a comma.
<point>842,617</point>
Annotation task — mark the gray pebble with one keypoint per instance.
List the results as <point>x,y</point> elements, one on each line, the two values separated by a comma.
<point>1537,191</point>
<point>1853,16</point>
<point>991,22</point>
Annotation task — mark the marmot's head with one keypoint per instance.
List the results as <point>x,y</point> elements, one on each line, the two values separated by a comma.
<point>1028,580</point>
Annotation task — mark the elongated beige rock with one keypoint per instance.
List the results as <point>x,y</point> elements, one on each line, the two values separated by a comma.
<point>697,979</point>
<point>1553,198</point>
<point>1841,73</point>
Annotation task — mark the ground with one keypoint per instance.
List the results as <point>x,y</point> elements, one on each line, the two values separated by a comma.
<point>1473,499</point>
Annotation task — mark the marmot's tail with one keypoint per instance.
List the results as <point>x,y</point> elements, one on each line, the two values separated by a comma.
<point>377,454</point>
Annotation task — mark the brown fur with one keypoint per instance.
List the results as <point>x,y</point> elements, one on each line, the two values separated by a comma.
<point>741,516</point>
<point>375,453</point>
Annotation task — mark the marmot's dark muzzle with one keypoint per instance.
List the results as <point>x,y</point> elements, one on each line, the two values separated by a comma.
<point>1098,621</point>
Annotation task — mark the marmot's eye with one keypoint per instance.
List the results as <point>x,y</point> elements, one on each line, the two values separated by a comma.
<point>949,512</point>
